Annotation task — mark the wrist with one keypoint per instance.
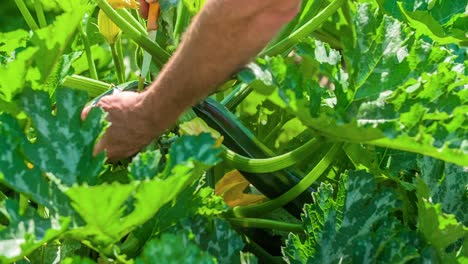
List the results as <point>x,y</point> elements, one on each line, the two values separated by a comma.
<point>159,110</point>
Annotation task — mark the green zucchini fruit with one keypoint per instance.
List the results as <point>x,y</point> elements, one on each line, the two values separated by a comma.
<point>240,140</point>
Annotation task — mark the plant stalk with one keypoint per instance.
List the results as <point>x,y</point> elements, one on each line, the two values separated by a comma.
<point>266,224</point>
<point>125,14</point>
<point>93,87</point>
<point>234,98</point>
<point>121,57</point>
<point>40,13</point>
<point>294,192</point>
<point>267,165</point>
<point>32,24</point>
<point>297,36</point>
<point>117,62</point>
<point>89,54</point>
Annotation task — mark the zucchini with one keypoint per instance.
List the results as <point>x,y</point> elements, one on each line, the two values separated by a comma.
<point>240,140</point>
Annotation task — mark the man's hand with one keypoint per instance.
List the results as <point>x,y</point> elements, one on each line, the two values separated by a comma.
<point>144,6</point>
<point>132,126</point>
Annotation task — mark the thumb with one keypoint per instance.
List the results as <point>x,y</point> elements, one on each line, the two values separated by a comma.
<point>85,112</point>
<point>143,9</point>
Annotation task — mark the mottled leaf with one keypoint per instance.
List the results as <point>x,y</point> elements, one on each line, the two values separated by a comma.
<point>173,249</point>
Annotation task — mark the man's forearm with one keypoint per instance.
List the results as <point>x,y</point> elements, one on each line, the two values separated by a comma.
<point>222,38</point>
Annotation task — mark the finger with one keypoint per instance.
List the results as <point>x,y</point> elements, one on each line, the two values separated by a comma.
<point>100,145</point>
<point>85,112</point>
<point>143,9</point>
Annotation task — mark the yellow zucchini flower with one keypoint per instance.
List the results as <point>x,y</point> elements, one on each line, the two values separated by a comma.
<point>108,29</point>
<point>124,4</point>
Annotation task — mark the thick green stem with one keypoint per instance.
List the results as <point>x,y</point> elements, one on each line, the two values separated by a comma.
<point>277,163</point>
<point>160,56</point>
<point>124,13</point>
<point>40,13</point>
<point>297,36</point>
<point>26,15</point>
<point>117,63</point>
<point>274,132</point>
<point>293,193</point>
<point>234,98</point>
<point>266,224</point>
<point>89,54</point>
<point>93,87</point>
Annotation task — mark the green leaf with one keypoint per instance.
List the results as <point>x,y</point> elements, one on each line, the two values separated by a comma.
<point>15,74</point>
<point>192,201</point>
<point>448,186</point>
<point>54,39</point>
<point>61,70</point>
<point>357,229</point>
<point>145,165</point>
<point>173,249</point>
<point>107,222</point>
<point>314,218</point>
<point>37,61</point>
<point>27,232</point>
<point>47,253</point>
<point>197,148</point>
<point>18,173</point>
<point>12,41</point>
<point>64,144</point>
<point>110,211</point>
<point>215,236</point>
<point>443,21</point>
<point>439,229</point>
<point>60,152</point>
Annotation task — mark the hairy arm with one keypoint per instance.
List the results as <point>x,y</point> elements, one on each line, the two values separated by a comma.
<point>222,38</point>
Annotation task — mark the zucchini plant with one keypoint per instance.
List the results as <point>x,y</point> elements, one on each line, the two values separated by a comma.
<point>343,141</point>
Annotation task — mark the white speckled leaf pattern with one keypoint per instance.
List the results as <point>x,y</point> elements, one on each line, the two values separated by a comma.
<point>64,143</point>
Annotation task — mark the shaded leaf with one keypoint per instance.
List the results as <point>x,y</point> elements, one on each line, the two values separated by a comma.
<point>173,249</point>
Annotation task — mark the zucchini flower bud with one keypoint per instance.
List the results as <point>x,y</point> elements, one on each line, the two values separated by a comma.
<point>108,29</point>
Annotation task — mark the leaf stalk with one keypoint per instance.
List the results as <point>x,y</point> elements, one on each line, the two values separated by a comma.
<point>293,193</point>
<point>32,24</point>
<point>89,54</point>
<point>266,224</point>
<point>267,165</point>
<point>40,13</point>
<point>285,45</point>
